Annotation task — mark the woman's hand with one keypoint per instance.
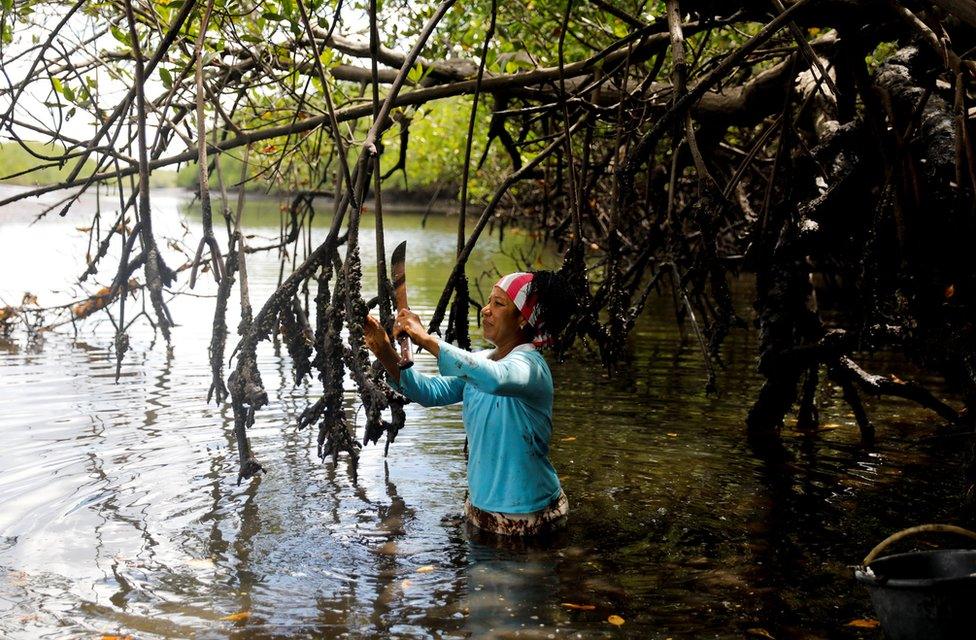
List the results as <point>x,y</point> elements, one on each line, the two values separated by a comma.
<point>379,343</point>
<point>407,322</point>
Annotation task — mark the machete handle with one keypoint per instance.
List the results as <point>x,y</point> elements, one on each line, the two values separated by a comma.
<point>406,360</point>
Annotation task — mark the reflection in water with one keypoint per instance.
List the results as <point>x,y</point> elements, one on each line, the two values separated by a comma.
<point>507,592</point>
<point>120,513</point>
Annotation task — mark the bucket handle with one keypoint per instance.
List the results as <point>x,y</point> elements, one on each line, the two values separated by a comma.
<point>922,528</point>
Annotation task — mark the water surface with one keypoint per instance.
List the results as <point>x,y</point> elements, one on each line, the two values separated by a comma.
<point>119,512</point>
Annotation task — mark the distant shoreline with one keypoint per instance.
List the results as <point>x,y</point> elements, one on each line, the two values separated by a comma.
<point>393,201</point>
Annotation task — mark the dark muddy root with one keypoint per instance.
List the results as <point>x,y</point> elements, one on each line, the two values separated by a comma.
<point>247,397</point>
<point>457,321</point>
<point>880,206</point>
<point>298,338</point>
<point>357,357</point>
<point>376,426</point>
<point>158,275</point>
<point>398,420</point>
<point>218,339</point>
<point>585,323</point>
<point>334,434</point>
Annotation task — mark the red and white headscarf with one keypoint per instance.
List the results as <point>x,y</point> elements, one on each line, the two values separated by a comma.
<point>519,288</point>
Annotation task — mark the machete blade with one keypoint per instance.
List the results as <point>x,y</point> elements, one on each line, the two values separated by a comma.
<point>398,268</point>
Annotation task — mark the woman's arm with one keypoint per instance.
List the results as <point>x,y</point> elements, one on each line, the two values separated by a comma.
<point>429,391</point>
<point>515,375</point>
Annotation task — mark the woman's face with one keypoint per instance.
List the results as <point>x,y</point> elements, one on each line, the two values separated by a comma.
<point>500,318</point>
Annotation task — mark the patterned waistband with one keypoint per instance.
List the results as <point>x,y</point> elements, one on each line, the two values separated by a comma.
<point>544,520</point>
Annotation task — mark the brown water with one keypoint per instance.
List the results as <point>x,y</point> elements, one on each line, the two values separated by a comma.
<point>119,512</point>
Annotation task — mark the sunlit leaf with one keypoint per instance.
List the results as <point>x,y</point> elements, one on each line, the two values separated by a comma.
<point>863,623</point>
<point>415,74</point>
<point>237,617</point>
<point>427,568</point>
<point>326,57</point>
<point>615,620</point>
<point>89,306</point>
<point>579,607</point>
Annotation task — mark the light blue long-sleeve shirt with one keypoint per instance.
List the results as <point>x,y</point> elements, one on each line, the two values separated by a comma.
<point>507,414</point>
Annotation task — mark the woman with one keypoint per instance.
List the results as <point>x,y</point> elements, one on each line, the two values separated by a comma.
<point>507,399</point>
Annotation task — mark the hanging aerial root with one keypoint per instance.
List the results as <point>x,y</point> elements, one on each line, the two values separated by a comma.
<point>247,397</point>
<point>298,338</point>
<point>218,339</point>
<point>334,434</point>
<point>335,437</point>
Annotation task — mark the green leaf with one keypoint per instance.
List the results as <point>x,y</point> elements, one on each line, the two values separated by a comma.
<point>271,15</point>
<point>7,5</point>
<point>121,36</point>
<point>68,93</point>
<point>57,85</point>
<point>166,77</point>
<point>326,57</point>
<point>415,74</point>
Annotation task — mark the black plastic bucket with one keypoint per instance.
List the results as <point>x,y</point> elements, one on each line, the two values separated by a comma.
<point>924,594</point>
<point>928,595</point>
